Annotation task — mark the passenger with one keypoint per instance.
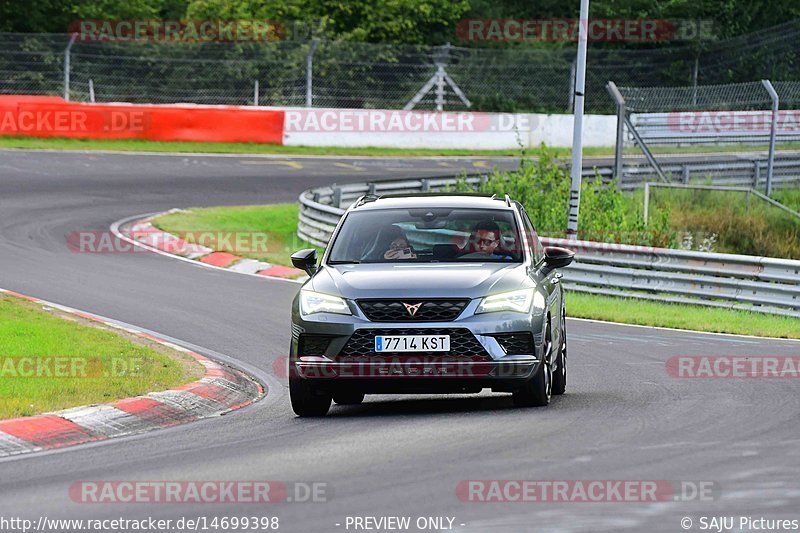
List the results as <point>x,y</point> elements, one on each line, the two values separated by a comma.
<point>400,249</point>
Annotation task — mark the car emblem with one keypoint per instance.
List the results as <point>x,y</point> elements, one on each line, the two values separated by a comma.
<point>412,309</point>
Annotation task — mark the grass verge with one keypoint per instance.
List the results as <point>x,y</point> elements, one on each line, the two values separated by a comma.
<point>681,316</point>
<point>136,145</point>
<point>265,232</point>
<point>280,223</point>
<point>51,360</point>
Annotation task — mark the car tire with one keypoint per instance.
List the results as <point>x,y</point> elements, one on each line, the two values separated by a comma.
<point>348,398</point>
<point>306,399</point>
<point>560,375</point>
<point>536,392</point>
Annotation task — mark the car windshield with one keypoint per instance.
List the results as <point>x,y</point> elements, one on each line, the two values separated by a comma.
<point>427,235</point>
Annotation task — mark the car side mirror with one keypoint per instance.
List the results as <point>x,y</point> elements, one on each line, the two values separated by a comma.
<point>305,260</point>
<point>557,257</point>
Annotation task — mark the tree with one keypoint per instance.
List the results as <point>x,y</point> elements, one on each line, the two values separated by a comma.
<point>397,21</point>
<point>55,16</point>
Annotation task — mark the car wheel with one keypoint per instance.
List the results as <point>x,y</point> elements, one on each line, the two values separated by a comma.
<point>560,375</point>
<point>306,399</point>
<point>536,393</point>
<point>348,398</point>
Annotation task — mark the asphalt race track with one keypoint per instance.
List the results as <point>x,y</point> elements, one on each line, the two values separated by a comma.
<point>623,417</point>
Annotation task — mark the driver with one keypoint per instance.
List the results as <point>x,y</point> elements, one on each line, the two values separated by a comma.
<point>484,242</point>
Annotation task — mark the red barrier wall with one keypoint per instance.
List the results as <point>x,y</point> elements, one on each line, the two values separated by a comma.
<point>48,116</point>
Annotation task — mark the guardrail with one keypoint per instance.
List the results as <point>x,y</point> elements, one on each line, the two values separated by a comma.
<point>724,171</point>
<point>761,284</point>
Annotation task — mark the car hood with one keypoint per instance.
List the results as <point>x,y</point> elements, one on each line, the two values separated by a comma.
<point>465,280</point>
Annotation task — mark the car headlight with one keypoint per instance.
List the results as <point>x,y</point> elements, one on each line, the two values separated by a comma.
<point>315,302</point>
<point>519,301</point>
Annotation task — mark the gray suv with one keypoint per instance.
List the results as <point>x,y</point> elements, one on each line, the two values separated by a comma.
<point>430,293</point>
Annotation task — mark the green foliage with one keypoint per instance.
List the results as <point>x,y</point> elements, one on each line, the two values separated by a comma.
<point>725,221</point>
<point>496,102</point>
<point>788,197</point>
<point>55,16</point>
<point>275,224</point>
<point>740,225</point>
<point>396,21</point>
<point>606,214</point>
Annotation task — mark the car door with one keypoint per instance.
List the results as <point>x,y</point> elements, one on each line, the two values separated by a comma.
<point>550,282</point>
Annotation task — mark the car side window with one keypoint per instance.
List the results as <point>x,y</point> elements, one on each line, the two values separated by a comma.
<point>537,250</point>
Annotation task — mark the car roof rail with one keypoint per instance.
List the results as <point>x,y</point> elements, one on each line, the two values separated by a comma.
<point>365,199</point>
<point>508,200</point>
<point>442,193</point>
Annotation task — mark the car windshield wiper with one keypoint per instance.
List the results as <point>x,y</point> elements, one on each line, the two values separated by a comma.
<point>344,262</point>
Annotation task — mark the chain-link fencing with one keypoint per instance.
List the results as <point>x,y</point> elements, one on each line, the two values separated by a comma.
<point>364,75</point>
<point>758,114</point>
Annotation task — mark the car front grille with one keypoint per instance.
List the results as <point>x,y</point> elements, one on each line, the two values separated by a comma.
<point>434,310</point>
<point>462,342</point>
<point>516,343</point>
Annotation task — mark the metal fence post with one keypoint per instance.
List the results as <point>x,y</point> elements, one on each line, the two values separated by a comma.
<point>440,74</point>
<point>337,196</point>
<point>255,93</point>
<point>576,168</point>
<point>67,65</point>
<point>310,72</point>
<point>772,132</point>
<point>571,92</point>
<point>756,173</point>
<point>611,87</point>
<point>91,90</point>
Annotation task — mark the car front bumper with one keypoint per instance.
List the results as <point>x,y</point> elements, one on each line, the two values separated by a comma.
<point>415,372</point>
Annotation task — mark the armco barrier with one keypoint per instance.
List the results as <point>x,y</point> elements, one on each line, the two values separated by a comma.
<point>760,284</point>
<point>46,116</point>
<point>725,170</point>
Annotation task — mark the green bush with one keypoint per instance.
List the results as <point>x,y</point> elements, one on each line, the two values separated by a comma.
<point>739,225</point>
<point>692,219</point>
<point>607,214</point>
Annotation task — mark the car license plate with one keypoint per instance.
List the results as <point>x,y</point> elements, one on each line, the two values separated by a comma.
<point>412,343</point>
